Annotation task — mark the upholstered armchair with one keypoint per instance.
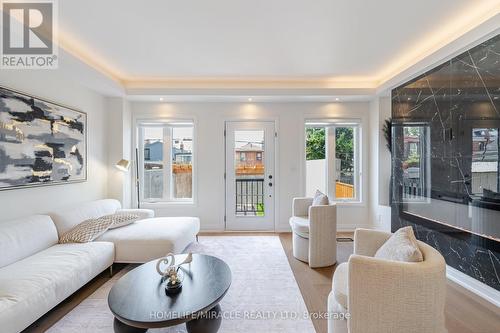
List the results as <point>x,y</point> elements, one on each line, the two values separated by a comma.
<point>383,296</point>
<point>314,232</point>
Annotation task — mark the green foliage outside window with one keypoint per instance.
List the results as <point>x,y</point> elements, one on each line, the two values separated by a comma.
<point>315,143</point>
<point>413,160</point>
<point>344,145</point>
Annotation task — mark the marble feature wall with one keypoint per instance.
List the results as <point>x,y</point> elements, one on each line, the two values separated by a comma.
<point>445,160</point>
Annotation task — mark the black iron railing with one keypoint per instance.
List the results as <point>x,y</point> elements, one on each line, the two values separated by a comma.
<point>250,197</point>
<point>412,189</point>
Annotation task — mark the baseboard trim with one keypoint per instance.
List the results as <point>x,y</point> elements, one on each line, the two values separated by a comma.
<point>208,230</point>
<point>203,230</point>
<point>481,292</point>
<point>352,227</point>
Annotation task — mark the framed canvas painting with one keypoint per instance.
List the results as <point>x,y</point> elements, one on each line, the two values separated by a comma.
<point>41,142</point>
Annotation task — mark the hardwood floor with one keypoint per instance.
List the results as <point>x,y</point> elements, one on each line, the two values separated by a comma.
<point>463,313</point>
<point>314,284</point>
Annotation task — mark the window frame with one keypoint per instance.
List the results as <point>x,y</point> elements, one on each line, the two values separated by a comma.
<point>168,191</point>
<point>330,156</point>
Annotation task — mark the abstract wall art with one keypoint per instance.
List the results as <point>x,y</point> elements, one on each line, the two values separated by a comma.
<point>41,142</point>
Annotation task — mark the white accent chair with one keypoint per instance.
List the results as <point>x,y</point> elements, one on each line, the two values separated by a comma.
<point>384,296</point>
<point>314,231</point>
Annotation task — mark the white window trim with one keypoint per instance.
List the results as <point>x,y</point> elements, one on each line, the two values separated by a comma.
<point>330,125</point>
<point>167,126</point>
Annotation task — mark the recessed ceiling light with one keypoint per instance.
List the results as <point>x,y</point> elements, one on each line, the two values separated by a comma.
<point>161,99</point>
<point>337,99</point>
<point>249,99</point>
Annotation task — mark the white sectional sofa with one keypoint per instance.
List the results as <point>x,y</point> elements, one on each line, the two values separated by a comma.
<point>37,273</point>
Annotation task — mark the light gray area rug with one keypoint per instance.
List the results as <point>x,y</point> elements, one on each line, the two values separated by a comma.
<point>264,296</point>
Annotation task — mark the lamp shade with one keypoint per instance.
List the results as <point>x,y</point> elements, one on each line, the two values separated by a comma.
<point>123,165</point>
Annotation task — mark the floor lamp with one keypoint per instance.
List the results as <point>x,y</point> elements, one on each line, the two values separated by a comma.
<point>124,165</point>
<point>137,181</point>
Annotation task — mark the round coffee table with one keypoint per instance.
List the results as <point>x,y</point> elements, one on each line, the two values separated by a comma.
<point>139,301</point>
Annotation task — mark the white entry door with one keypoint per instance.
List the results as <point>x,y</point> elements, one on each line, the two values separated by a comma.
<point>250,175</point>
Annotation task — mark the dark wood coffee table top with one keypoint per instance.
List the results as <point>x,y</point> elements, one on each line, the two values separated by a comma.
<point>139,299</point>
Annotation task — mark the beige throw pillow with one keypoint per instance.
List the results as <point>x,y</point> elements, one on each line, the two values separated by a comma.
<point>121,219</point>
<point>401,246</point>
<point>320,199</point>
<point>89,230</point>
<point>86,231</point>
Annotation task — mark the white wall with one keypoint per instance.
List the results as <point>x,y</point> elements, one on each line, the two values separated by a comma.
<point>380,167</point>
<point>315,177</point>
<point>119,140</point>
<point>384,162</point>
<point>52,85</point>
<point>374,157</point>
<point>209,122</point>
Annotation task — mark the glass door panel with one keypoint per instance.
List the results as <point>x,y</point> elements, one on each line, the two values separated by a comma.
<point>249,170</point>
<point>249,175</point>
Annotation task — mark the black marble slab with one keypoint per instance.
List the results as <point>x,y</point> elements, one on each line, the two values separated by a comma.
<point>445,165</point>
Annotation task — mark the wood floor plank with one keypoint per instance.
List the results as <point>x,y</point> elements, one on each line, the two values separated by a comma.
<point>314,284</point>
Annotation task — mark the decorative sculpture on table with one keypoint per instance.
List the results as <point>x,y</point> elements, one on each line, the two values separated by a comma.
<point>172,273</point>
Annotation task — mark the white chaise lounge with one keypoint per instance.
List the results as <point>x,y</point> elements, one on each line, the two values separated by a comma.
<point>147,239</point>
<point>37,273</point>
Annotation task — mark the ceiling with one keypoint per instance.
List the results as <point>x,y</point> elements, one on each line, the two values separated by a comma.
<point>354,43</point>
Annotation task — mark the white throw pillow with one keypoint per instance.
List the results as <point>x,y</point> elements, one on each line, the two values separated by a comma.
<point>401,246</point>
<point>320,199</point>
<point>121,219</point>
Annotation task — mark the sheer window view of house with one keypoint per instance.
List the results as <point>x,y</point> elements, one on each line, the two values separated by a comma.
<point>167,168</point>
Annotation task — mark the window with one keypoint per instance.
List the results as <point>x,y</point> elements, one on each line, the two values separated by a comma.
<point>415,163</point>
<point>485,156</point>
<point>166,161</point>
<point>332,160</point>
